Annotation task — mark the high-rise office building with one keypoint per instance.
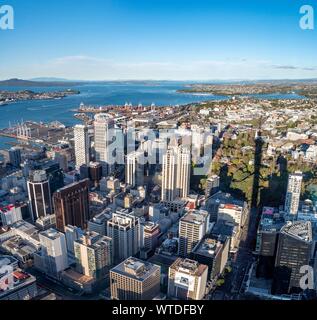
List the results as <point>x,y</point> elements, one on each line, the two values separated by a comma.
<point>135,169</point>
<point>82,145</point>
<point>54,252</point>
<point>213,252</point>
<point>150,232</point>
<point>72,234</point>
<point>212,185</point>
<point>71,205</point>
<point>55,175</point>
<point>15,157</point>
<point>187,280</point>
<point>169,175</point>
<point>192,228</point>
<point>94,255</point>
<point>124,229</point>
<point>99,222</point>
<point>294,250</point>
<point>183,172</point>
<point>103,126</point>
<point>134,279</point>
<point>176,173</point>
<point>39,193</point>
<point>293,193</point>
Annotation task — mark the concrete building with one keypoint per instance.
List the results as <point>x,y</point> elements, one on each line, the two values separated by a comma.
<point>150,232</point>
<point>192,228</point>
<point>213,252</point>
<point>293,193</point>
<point>103,136</point>
<point>124,229</point>
<point>82,145</point>
<point>99,222</point>
<point>54,252</point>
<point>94,255</point>
<point>72,233</point>
<point>187,280</point>
<point>135,169</point>
<point>176,173</point>
<point>212,185</point>
<point>134,279</point>
<point>15,284</point>
<point>10,214</point>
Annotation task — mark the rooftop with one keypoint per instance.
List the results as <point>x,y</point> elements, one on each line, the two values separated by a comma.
<point>208,247</point>
<point>189,266</point>
<point>299,229</point>
<point>135,268</point>
<point>195,216</point>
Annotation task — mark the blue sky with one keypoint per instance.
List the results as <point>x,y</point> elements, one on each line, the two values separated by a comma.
<point>158,39</point>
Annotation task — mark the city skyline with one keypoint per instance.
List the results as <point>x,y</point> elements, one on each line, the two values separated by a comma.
<point>160,40</point>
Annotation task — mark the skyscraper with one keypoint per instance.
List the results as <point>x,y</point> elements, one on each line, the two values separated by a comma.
<point>94,255</point>
<point>293,193</point>
<point>187,280</point>
<point>39,194</point>
<point>183,172</point>
<point>54,252</point>
<point>176,173</point>
<point>294,250</point>
<point>192,228</point>
<point>135,169</point>
<point>15,157</point>
<point>82,144</point>
<point>134,279</point>
<point>103,126</point>
<point>124,229</point>
<point>71,204</point>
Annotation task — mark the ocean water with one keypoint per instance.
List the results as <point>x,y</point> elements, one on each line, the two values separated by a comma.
<point>112,93</point>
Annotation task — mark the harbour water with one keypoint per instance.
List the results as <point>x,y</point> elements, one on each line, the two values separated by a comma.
<point>112,93</point>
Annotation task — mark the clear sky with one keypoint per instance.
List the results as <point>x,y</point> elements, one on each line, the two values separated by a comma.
<point>158,39</point>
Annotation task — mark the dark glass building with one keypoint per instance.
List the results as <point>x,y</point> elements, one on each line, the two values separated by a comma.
<point>294,250</point>
<point>71,204</point>
<point>39,194</point>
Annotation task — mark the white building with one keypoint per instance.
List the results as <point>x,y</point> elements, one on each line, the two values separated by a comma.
<point>187,280</point>
<point>233,213</point>
<point>176,173</point>
<point>104,132</point>
<point>135,169</point>
<point>82,144</point>
<point>124,229</point>
<point>293,193</point>
<point>10,214</point>
<point>54,252</point>
<point>192,228</point>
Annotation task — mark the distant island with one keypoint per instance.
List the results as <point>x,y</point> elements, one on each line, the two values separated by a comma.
<point>9,96</point>
<point>32,83</point>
